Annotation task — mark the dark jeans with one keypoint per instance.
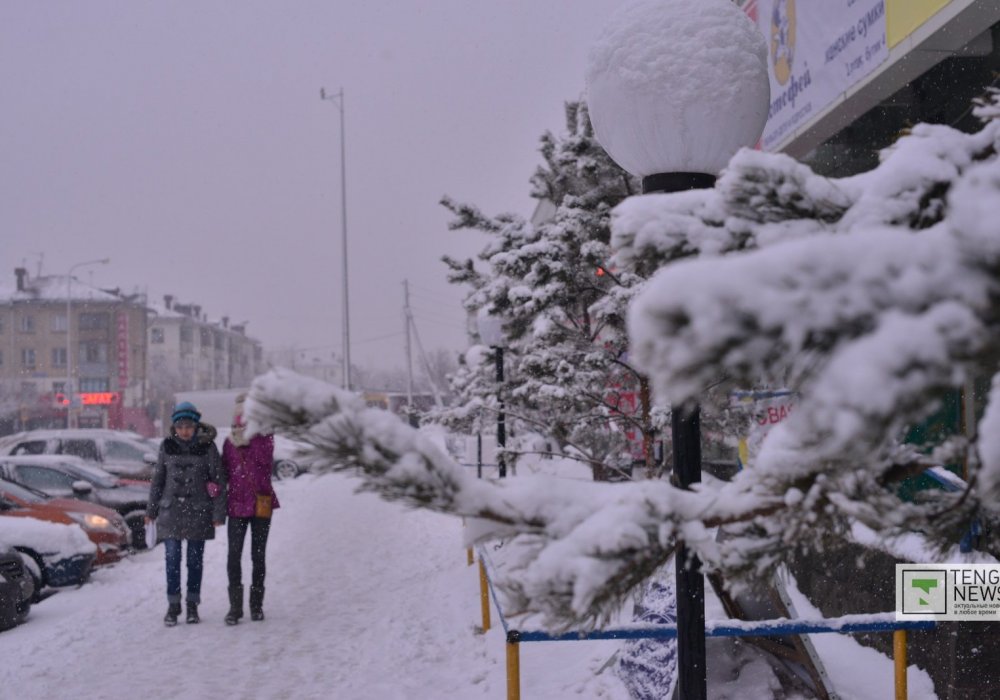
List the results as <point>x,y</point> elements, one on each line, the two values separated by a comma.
<point>259,527</point>
<point>195,556</point>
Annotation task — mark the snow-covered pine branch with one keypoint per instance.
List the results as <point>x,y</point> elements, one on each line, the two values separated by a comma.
<point>581,547</point>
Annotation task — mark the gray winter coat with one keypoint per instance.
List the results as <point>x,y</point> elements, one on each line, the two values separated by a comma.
<point>179,498</point>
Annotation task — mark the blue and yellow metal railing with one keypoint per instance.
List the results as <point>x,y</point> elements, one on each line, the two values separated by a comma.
<point>848,624</point>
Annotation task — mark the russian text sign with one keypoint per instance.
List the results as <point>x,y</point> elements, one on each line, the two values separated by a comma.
<point>817,49</point>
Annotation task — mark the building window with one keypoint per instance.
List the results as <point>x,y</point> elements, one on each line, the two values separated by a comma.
<point>88,386</point>
<point>27,324</point>
<point>187,334</point>
<point>58,357</point>
<point>156,335</point>
<point>58,387</point>
<point>93,351</point>
<point>58,323</point>
<point>206,338</point>
<point>94,321</point>
<point>28,357</point>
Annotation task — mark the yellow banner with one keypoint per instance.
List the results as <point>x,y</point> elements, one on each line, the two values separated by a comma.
<point>902,17</point>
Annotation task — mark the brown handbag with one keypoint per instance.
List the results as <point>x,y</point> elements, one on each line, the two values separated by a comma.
<point>263,506</point>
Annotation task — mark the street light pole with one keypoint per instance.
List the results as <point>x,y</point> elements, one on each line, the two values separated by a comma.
<point>491,332</point>
<point>68,393</point>
<point>674,114</point>
<point>338,99</point>
<point>501,415</point>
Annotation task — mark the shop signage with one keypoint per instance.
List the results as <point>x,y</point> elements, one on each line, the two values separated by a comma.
<point>817,50</point>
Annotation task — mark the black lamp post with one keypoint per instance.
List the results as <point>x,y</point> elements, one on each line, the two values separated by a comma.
<point>491,333</point>
<point>674,113</point>
<point>501,415</point>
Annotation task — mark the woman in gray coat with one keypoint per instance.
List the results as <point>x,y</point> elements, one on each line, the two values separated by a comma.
<point>187,499</point>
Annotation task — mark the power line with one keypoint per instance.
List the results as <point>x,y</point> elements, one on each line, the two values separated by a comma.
<point>438,299</point>
<point>450,312</point>
<point>440,317</point>
<point>378,338</point>
<point>438,322</point>
<point>426,289</point>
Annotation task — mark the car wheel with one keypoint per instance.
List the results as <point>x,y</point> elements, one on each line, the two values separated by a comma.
<point>286,469</point>
<point>33,565</point>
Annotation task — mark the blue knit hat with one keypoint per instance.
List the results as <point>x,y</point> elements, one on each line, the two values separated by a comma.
<point>185,410</point>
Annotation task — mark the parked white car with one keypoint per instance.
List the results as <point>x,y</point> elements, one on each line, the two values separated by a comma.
<point>124,454</point>
<point>287,464</point>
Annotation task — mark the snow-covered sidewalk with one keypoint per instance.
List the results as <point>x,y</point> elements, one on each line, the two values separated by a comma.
<point>365,600</point>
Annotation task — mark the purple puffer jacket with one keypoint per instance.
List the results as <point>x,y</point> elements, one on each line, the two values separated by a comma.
<point>249,470</point>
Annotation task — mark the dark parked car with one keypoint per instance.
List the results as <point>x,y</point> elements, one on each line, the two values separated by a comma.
<point>65,476</point>
<point>126,455</point>
<point>17,589</point>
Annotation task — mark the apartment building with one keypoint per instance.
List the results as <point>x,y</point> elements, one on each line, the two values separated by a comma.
<point>188,351</point>
<point>73,354</point>
<point>313,362</point>
<point>70,353</point>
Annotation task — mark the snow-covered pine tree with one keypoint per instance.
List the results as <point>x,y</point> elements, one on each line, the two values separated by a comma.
<point>563,307</point>
<point>872,295</point>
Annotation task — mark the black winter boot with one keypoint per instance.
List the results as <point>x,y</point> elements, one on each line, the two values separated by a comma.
<point>235,605</point>
<point>173,610</point>
<point>256,603</point>
<point>192,614</point>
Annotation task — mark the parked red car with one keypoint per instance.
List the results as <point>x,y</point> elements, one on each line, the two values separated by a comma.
<point>104,527</point>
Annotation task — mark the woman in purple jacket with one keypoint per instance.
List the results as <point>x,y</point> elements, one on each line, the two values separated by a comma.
<point>248,463</point>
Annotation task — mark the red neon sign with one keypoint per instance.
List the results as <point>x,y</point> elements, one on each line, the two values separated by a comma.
<point>93,398</point>
<point>99,398</point>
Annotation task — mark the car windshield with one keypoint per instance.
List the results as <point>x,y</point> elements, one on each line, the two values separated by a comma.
<point>83,448</point>
<point>95,475</point>
<point>22,493</point>
<point>121,451</point>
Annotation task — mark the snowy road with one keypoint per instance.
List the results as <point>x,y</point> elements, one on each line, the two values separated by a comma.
<point>365,601</point>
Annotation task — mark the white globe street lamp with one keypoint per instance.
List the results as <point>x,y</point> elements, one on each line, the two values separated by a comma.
<point>674,89</point>
<point>678,86</point>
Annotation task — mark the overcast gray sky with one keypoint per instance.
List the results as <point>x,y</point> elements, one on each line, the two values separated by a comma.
<point>188,142</point>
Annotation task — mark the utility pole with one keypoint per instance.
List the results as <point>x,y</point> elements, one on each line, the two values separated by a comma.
<point>411,324</point>
<point>407,320</point>
<point>338,99</point>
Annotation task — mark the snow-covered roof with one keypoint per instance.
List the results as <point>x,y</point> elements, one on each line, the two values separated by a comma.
<point>54,288</point>
<point>162,312</point>
<point>180,311</point>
